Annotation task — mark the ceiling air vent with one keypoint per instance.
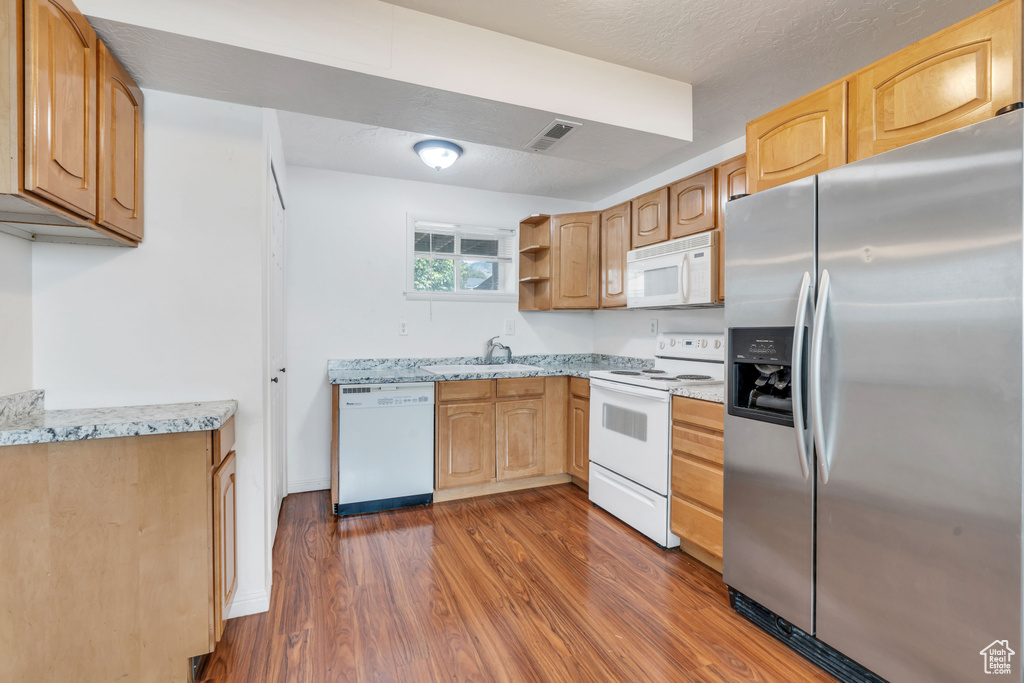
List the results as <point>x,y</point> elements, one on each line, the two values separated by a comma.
<point>553,133</point>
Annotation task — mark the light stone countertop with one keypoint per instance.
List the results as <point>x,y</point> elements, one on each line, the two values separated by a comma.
<point>390,370</point>
<point>703,392</point>
<point>46,426</point>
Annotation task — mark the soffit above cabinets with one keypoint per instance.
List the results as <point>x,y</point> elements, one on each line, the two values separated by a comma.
<point>353,65</point>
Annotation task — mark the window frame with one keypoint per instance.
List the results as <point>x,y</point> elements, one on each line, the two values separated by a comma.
<point>511,265</point>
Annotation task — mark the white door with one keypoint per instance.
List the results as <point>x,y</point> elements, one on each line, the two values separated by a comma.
<point>277,352</point>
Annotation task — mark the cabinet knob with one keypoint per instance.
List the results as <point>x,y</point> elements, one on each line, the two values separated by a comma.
<point>274,380</point>
<point>280,369</point>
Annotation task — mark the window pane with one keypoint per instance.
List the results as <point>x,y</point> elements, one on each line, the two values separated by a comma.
<point>434,275</point>
<point>479,275</point>
<point>422,241</point>
<point>479,247</point>
<point>443,244</point>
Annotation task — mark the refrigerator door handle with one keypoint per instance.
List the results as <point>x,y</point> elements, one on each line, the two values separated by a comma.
<point>798,372</point>
<point>817,417</point>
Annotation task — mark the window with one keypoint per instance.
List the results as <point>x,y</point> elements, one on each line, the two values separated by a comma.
<point>460,262</point>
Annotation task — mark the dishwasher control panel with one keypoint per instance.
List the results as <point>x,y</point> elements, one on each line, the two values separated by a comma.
<point>385,395</point>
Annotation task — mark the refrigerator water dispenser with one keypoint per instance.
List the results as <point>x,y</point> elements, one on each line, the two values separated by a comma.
<point>760,374</point>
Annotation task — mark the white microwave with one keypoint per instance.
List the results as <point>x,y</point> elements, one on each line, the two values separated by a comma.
<point>680,272</point>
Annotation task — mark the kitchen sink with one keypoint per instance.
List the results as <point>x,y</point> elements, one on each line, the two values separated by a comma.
<point>468,368</point>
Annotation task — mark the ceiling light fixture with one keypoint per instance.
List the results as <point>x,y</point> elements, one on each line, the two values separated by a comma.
<point>437,154</point>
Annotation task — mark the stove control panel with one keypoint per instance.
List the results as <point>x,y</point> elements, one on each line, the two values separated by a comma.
<point>692,346</point>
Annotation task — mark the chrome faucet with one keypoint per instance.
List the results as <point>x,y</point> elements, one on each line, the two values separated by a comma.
<point>491,345</point>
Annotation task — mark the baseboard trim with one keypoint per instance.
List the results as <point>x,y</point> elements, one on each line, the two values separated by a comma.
<point>306,485</point>
<point>499,487</point>
<point>250,603</point>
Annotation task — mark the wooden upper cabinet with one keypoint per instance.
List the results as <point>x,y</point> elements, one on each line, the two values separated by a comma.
<point>519,438</point>
<point>691,204</point>
<point>732,181</point>
<point>120,148</point>
<point>650,218</point>
<point>576,241</point>
<point>802,138</point>
<point>60,105</point>
<point>954,78</point>
<point>615,241</point>
<point>465,444</point>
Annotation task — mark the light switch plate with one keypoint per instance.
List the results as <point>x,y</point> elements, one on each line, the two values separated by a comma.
<point>510,327</point>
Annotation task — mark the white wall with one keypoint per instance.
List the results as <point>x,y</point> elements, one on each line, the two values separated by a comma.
<point>15,315</point>
<point>180,318</point>
<point>346,251</point>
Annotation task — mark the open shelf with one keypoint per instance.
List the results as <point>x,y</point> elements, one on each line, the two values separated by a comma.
<point>534,278</point>
<point>533,248</point>
<point>535,263</point>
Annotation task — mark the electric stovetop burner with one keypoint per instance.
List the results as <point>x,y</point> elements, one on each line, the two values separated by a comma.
<point>625,372</point>
<point>702,377</point>
<point>652,371</point>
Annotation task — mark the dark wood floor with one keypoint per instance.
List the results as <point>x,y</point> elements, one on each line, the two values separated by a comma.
<point>534,585</point>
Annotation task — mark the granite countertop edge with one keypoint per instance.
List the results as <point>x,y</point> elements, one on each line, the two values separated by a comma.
<point>714,393</point>
<point>51,426</point>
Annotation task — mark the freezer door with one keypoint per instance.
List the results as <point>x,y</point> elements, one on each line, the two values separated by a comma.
<point>919,523</point>
<point>768,551</point>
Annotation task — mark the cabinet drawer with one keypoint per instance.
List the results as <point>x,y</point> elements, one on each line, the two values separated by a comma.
<point>579,387</point>
<point>514,387</point>
<point>697,481</point>
<point>696,525</point>
<point>701,413</point>
<point>698,443</point>
<point>223,441</point>
<point>465,390</point>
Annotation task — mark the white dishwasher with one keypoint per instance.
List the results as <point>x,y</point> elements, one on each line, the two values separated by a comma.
<point>385,447</point>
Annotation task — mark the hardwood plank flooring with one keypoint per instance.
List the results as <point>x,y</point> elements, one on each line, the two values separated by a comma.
<point>533,585</point>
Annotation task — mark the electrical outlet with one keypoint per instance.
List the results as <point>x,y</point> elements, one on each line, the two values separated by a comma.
<point>510,327</point>
<point>654,327</point>
<point>403,329</point>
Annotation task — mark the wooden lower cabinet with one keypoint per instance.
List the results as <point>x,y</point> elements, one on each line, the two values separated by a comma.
<point>697,478</point>
<point>519,438</point>
<point>225,544</point>
<point>492,432</point>
<point>465,444</point>
<point>107,548</point>
<point>579,438</point>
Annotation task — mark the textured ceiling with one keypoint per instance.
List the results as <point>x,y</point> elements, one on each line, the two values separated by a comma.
<point>743,57</point>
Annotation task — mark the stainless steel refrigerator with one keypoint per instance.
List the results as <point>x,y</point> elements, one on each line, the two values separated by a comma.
<point>873,431</point>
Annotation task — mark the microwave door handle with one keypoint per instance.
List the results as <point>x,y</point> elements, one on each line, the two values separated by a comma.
<point>685,277</point>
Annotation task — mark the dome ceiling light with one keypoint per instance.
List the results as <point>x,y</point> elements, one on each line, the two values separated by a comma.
<point>437,154</point>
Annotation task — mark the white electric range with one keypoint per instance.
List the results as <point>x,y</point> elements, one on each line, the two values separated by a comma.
<point>631,429</point>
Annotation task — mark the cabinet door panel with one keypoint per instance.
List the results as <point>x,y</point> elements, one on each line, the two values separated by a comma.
<point>120,148</point>
<point>804,137</point>
<point>519,438</point>
<point>732,181</point>
<point>615,242</point>
<point>650,218</point>
<point>691,206</point>
<point>465,444</point>
<point>576,266</point>
<point>954,78</point>
<point>60,106</point>
<point>579,437</point>
<point>225,568</point>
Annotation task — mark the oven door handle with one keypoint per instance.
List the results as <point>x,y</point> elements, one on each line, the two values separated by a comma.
<point>616,387</point>
<point>798,374</point>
